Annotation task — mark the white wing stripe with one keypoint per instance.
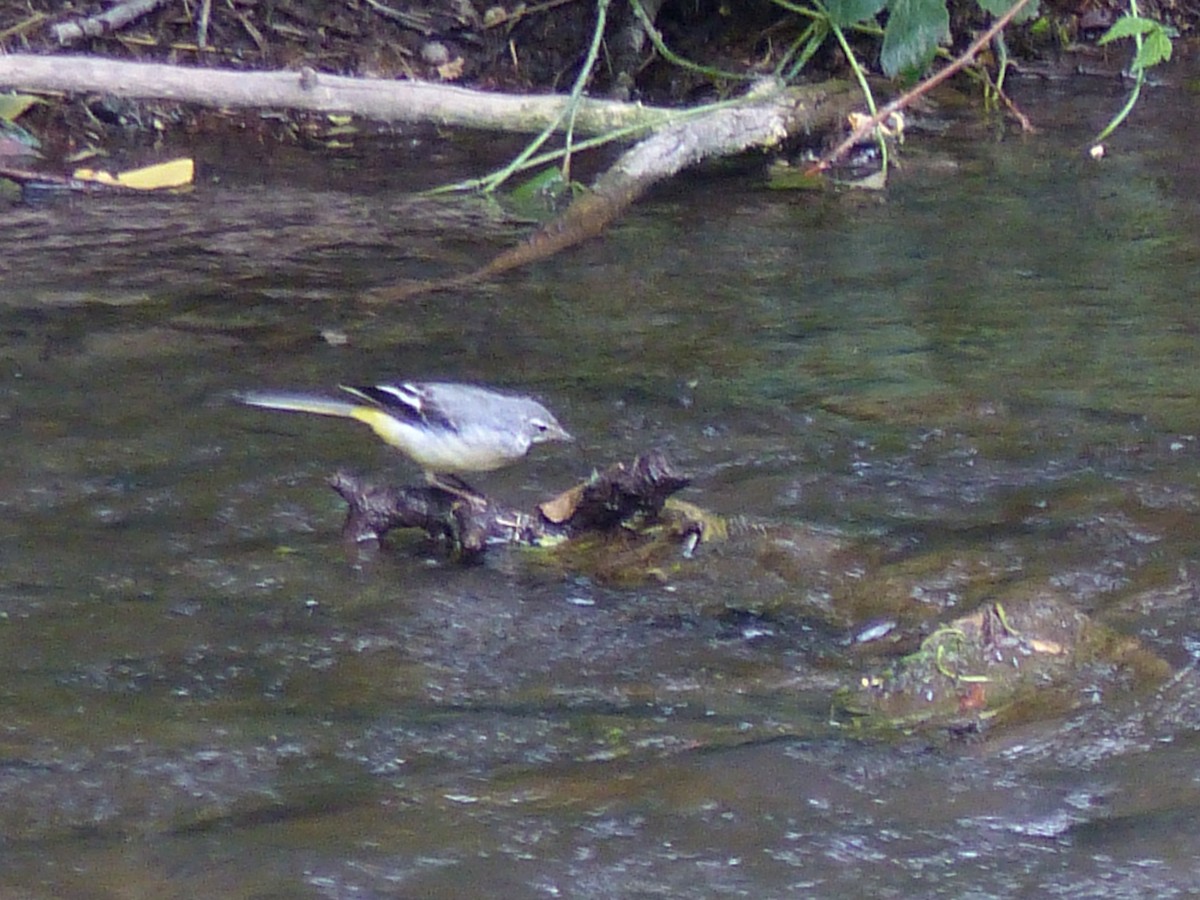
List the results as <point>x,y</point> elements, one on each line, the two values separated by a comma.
<point>406,393</point>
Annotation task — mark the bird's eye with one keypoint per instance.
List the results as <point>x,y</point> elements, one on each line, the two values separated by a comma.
<point>541,426</point>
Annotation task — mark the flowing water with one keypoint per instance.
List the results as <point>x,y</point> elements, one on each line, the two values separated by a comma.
<point>979,385</point>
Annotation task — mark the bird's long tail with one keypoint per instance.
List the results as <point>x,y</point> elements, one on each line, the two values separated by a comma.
<point>378,420</point>
<point>309,403</point>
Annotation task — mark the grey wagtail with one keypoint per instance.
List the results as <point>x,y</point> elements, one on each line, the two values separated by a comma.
<point>445,428</point>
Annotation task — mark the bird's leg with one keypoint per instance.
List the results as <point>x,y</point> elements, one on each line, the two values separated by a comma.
<point>452,484</point>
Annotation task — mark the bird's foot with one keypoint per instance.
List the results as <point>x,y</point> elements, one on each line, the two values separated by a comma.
<point>455,486</point>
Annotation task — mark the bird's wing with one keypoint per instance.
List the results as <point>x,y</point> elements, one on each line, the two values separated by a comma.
<point>407,401</point>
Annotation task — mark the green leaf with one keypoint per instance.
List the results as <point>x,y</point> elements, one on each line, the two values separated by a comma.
<point>914,29</point>
<point>999,7</point>
<point>11,133</point>
<point>1128,26</point>
<point>1156,48</point>
<point>850,12</point>
<point>541,195</point>
<point>1156,40</point>
<point>12,105</point>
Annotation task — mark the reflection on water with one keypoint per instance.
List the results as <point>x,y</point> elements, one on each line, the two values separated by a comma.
<point>976,386</point>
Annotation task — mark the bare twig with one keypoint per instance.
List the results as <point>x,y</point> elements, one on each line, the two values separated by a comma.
<point>522,11</point>
<point>255,34</point>
<point>202,25</point>
<point>884,114</point>
<point>1014,110</point>
<point>421,22</point>
<point>23,26</point>
<point>120,15</point>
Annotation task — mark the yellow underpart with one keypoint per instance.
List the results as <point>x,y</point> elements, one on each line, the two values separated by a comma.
<point>379,421</point>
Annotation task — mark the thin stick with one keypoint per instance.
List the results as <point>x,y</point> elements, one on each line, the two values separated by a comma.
<point>202,27</point>
<point>923,88</point>
<point>120,15</point>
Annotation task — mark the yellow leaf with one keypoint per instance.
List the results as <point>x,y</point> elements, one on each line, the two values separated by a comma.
<point>93,175</point>
<point>172,174</point>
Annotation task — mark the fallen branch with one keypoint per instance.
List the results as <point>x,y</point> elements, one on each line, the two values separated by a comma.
<point>765,117</point>
<point>372,98</point>
<point>619,498</point>
<point>768,116</point>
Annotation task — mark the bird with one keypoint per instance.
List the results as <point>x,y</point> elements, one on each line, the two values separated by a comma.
<point>445,427</point>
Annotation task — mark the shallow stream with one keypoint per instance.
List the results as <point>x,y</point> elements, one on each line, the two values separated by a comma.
<point>981,384</point>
